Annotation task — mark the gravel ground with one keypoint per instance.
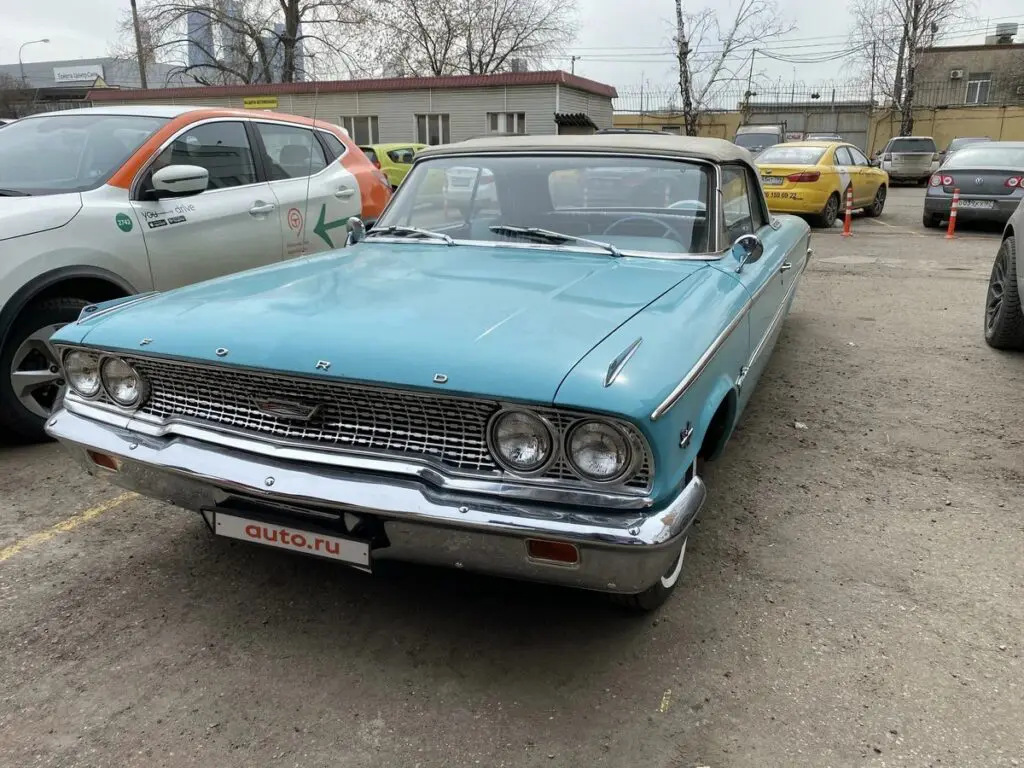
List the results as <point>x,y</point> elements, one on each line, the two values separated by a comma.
<point>852,597</point>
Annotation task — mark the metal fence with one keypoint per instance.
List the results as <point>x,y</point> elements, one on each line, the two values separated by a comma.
<point>992,91</point>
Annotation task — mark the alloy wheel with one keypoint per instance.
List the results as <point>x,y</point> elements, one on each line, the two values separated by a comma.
<point>996,288</point>
<point>35,372</point>
<point>879,203</point>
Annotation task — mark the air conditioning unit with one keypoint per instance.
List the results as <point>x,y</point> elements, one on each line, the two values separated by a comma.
<point>956,74</point>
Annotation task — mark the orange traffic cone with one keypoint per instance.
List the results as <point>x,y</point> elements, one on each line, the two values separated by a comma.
<point>952,214</point>
<point>848,220</point>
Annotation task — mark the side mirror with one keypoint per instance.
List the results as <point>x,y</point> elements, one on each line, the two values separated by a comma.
<point>180,180</point>
<point>874,162</point>
<point>748,249</point>
<point>356,230</point>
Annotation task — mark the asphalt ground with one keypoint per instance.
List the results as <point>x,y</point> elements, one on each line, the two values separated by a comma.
<point>852,595</point>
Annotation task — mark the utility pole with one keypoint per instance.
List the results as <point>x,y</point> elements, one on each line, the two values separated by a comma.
<point>745,111</point>
<point>138,46</point>
<point>572,64</point>
<point>871,97</point>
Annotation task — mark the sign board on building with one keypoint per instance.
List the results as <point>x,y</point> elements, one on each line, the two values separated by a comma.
<point>260,102</point>
<point>78,74</point>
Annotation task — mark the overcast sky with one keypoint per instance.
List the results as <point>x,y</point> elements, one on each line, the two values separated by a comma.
<point>621,42</point>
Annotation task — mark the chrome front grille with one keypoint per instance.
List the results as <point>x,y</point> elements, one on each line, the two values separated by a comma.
<point>445,430</point>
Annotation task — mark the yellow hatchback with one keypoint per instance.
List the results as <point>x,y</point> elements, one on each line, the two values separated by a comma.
<point>811,178</point>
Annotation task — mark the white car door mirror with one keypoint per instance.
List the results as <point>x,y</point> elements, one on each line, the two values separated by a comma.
<point>180,180</point>
<point>748,249</point>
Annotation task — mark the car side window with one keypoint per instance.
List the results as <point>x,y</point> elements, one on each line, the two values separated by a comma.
<point>858,157</point>
<point>222,148</point>
<point>335,148</point>
<point>843,156</point>
<point>292,152</point>
<point>736,203</point>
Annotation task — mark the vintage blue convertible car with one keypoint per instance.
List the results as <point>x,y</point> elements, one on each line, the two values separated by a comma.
<point>515,371</point>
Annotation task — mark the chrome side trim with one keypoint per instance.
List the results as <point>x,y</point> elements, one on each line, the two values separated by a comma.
<point>616,365</point>
<point>680,389</point>
<point>535,490</point>
<point>85,314</point>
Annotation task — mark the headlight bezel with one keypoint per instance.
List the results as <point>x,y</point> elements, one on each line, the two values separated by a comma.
<point>104,393</point>
<point>108,389</point>
<point>629,466</point>
<point>98,360</point>
<point>554,440</point>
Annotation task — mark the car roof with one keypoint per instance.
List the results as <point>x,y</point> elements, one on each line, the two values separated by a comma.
<point>817,143</point>
<point>715,150</point>
<point>393,145</point>
<point>170,111</point>
<point>894,138</point>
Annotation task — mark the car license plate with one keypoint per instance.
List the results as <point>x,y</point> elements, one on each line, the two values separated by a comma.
<point>772,181</point>
<point>978,204</point>
<point>294,539</point>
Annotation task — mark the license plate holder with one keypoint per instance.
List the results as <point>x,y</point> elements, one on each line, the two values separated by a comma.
<point>978,205</point>
<point>773,181</point>
<point>289,537</point>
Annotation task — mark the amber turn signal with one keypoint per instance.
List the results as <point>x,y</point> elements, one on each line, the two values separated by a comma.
<point>560,552</point>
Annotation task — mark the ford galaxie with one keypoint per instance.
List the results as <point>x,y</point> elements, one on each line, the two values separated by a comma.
<point>521,383</point>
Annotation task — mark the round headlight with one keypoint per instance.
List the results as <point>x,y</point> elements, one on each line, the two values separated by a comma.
<point>521,442</point>
<point>83,373</point>
<point>598,451</point>
<point>121,381</point>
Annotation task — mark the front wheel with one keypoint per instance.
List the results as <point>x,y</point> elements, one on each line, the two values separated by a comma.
<point>829,214</point>
<point>30,383</point>
<point>654,596</point>
<point>877,205</point>
<point>1004,319</point>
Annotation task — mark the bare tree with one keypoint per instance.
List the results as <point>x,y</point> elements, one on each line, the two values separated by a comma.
<point>898,30</point>
<point>439,37</point>
<point>252,41</point>
<point>708,51</point>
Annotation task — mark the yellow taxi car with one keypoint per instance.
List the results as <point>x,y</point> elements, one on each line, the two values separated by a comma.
<point>811,178</point>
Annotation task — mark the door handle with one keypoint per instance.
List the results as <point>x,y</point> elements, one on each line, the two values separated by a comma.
<point>786,266</point>
<point>344,193</point>
<point>260,208</point>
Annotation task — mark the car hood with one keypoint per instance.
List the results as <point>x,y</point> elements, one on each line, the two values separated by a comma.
<point>20,216</point>
<point>505,322</point>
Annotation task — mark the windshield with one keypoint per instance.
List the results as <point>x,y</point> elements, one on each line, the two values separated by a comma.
<point>755,140</point>
<point>69,152</point>
<point>632,204</point>
<point>982,155</point>
<point>784,155</point>
<point>912,145</point>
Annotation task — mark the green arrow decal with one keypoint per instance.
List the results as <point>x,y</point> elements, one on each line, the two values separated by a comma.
<point>323,226</point>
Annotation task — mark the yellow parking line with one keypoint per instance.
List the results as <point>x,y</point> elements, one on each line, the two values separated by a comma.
<point>65,525</point>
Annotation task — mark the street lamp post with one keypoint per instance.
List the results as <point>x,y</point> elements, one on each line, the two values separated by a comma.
<point>21,66</point>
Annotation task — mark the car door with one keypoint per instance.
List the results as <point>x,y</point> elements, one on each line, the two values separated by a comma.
<point>765,280</point>
<point>847,176</point>
<point>866,180</point>
<point>315,197</point>
<point>231,226</point>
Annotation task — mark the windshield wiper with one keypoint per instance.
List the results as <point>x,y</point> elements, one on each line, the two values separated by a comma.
<point>14,193</point>
<point>413,231</point>
<point>547,236</point>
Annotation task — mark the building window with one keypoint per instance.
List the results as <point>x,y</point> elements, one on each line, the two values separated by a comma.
<point>506,122</point>
<point>433,129</point>
<point>977,88</point>
<point>362,128</point>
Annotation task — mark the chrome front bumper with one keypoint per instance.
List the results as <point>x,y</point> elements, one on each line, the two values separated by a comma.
<point>622,551</point>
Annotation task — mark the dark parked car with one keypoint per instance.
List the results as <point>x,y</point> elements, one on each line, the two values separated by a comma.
<point>1004,318</point>
<point>959,143</point>
<point>990,177</point>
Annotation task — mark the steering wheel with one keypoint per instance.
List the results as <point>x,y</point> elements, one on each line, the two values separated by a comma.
<point>670,231</point>
<point>693,205</point>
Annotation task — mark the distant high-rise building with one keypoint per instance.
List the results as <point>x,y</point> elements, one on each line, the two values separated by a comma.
<point>232,37</point>
<point>200,39</point>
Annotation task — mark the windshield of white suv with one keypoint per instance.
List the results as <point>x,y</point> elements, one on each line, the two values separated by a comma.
<point>69,152</point>
<point>614,204</point>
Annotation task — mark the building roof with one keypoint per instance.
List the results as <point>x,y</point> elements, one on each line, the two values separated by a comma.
<point>716,150</point>
<point>509,79</point>
<point>978,47</point>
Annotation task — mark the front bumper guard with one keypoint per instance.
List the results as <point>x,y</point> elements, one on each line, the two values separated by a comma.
<point>623,551</point>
